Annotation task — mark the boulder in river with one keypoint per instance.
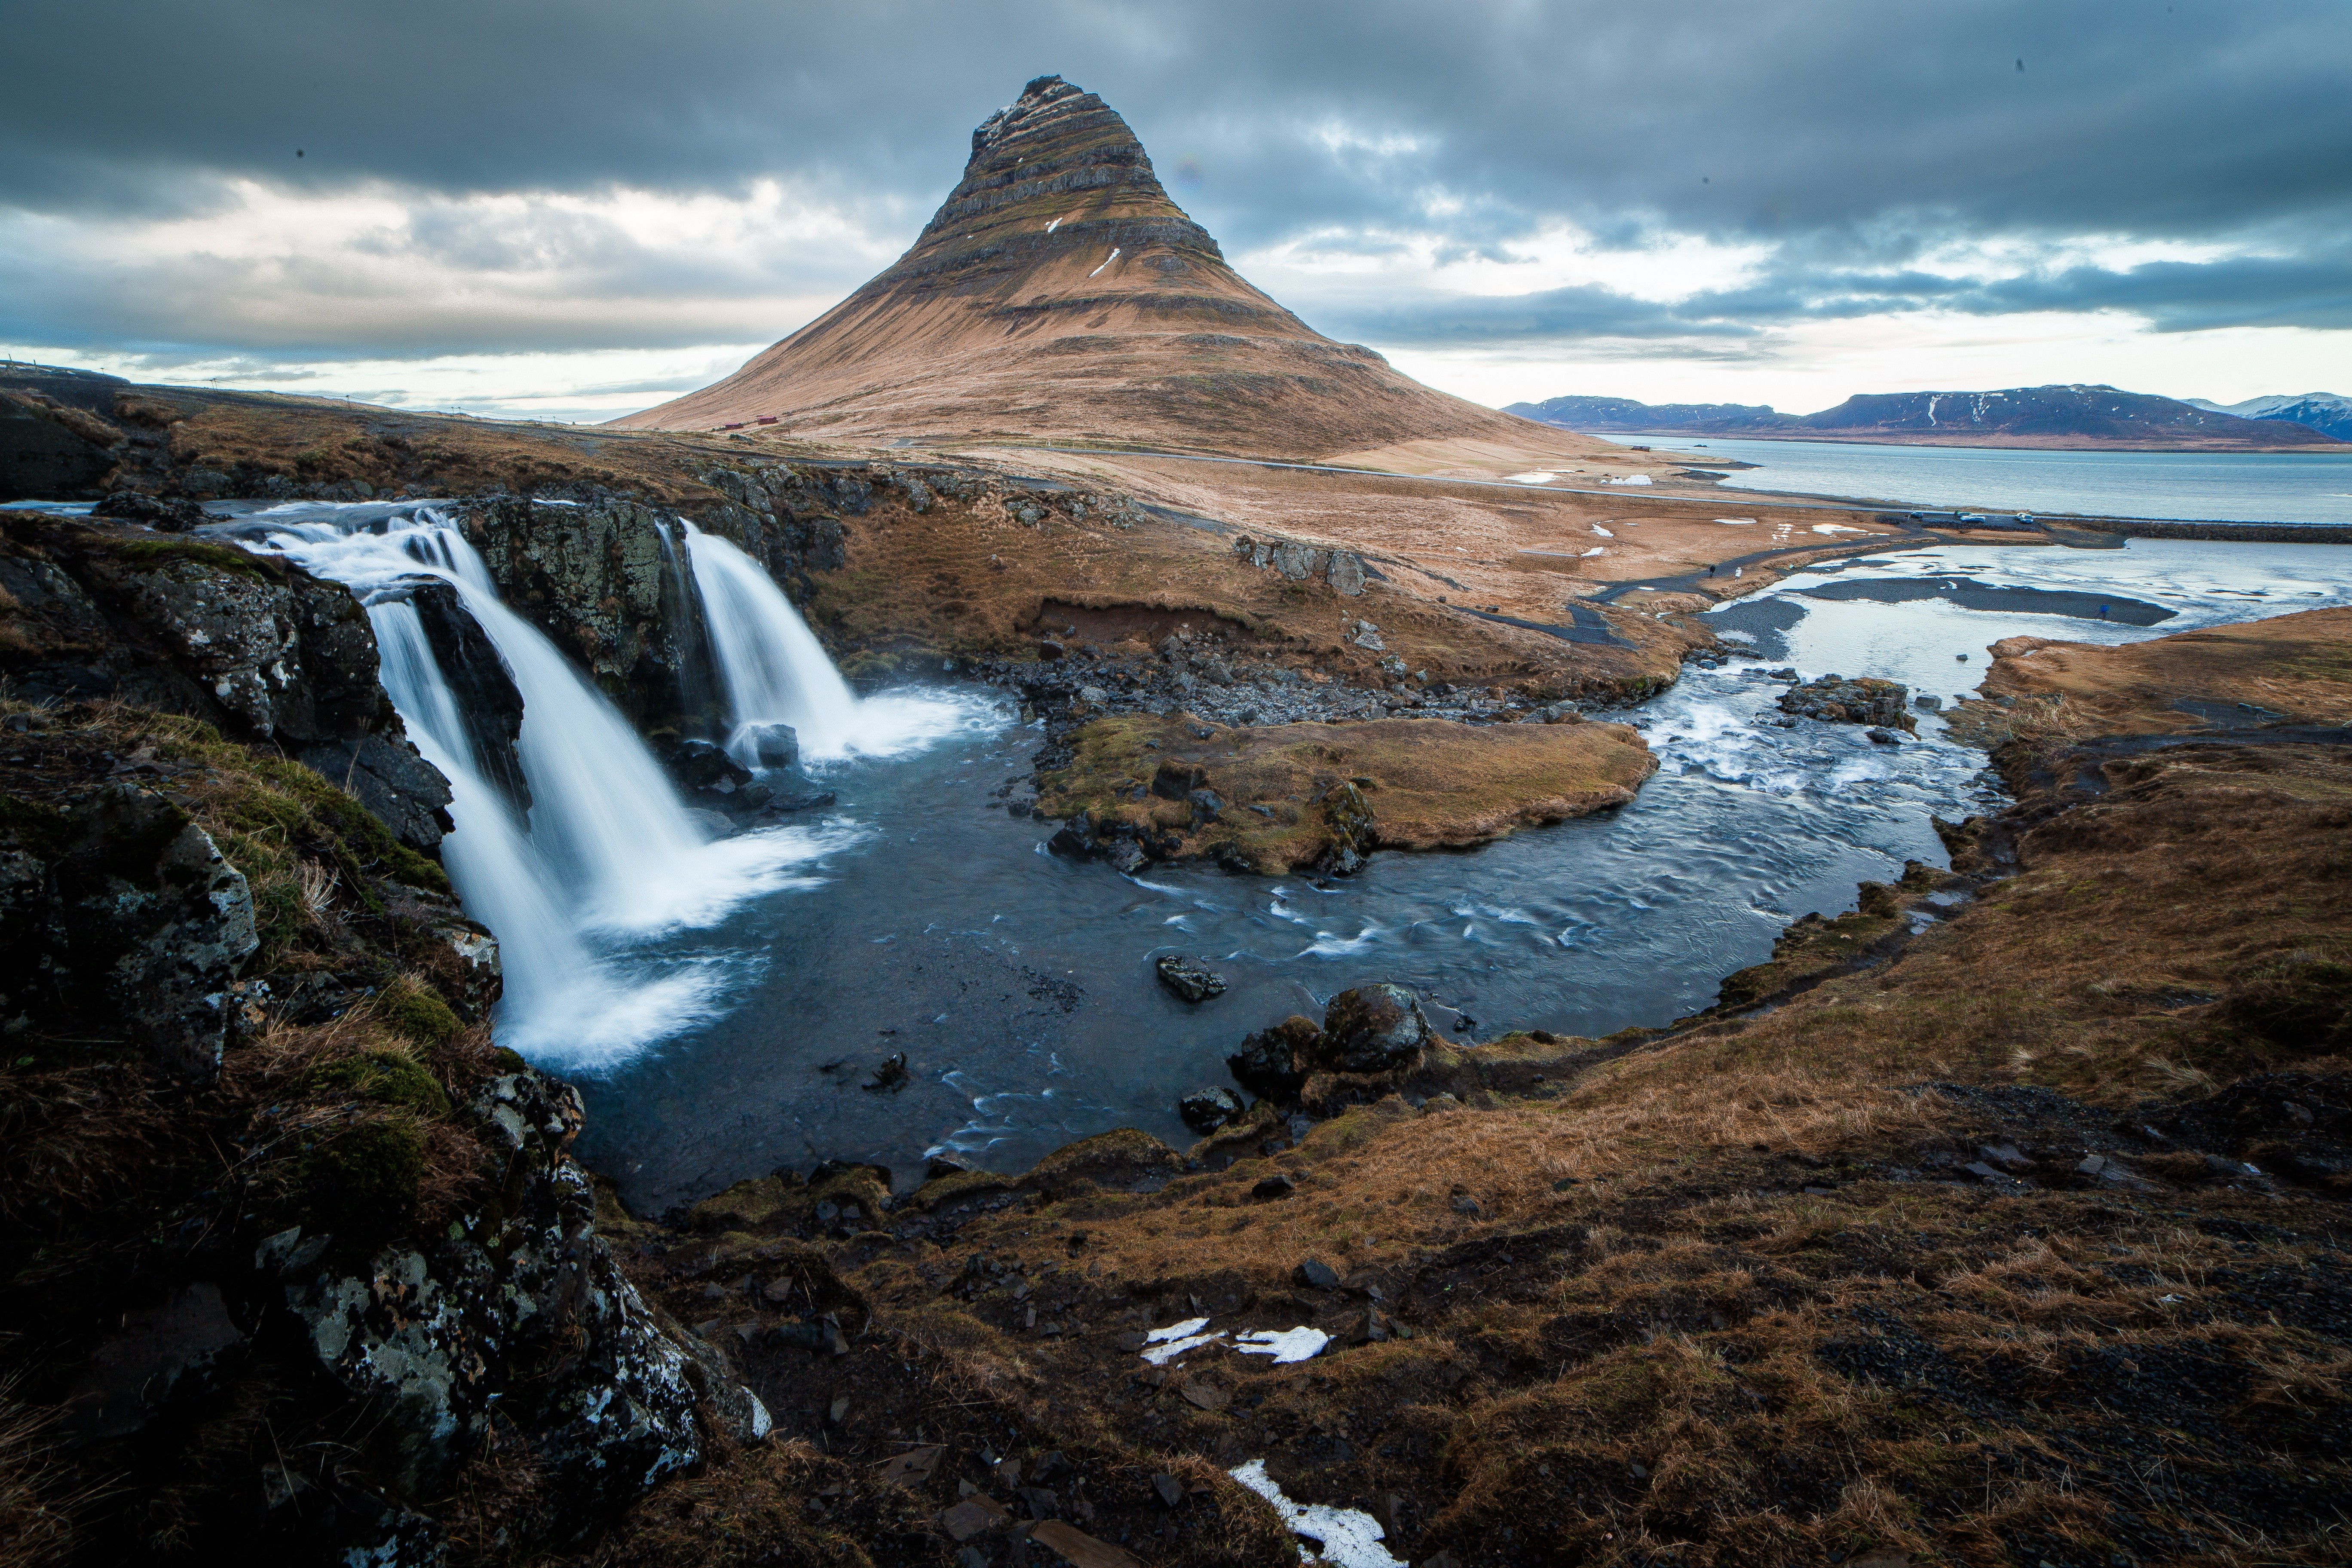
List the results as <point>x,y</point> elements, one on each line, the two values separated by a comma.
<point>772,744</point>
<point>1206,1110</point>
<point>1189,980</point>
<point>1839,700</point>
<point>1371,1028</point>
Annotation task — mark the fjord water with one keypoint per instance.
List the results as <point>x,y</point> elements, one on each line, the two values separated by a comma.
<point>2220,486</point>
<point>1019,984</point>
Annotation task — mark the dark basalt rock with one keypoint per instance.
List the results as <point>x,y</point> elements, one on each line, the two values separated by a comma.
<point>175,516</point>
<point>122,915</point>
<point>1372,1029</point>
<point>1206,1110</point>
<point>1189,980</point>
<point>48,451</point>
<point>772,744</point>
<point>603,580</point>
<point>435,1335</point>
<point>1841,701</point>
<point>1275,1061</point>
<point>251,643</point>
<point>480,684</point>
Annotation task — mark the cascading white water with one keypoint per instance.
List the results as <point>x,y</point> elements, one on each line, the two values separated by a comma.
<point>608,846</point>
<point>771,668</point>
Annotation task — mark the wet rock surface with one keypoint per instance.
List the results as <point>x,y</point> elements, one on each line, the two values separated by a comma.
<point>1192,982</point>
<point>1837,701</point>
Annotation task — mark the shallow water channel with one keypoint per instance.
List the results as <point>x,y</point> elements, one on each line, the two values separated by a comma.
<point>1019,984</point>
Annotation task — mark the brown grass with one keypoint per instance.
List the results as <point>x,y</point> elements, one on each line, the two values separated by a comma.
<point>1429,784</point>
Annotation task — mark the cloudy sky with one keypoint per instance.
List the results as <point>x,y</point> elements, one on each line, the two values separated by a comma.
<point>573,210</point>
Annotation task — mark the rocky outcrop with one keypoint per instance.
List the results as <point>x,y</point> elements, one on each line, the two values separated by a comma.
<point>319,1281</point>
<point>120,915</point>
<point>518,1311</point>
<point>1343,569</point>
<point>252,644</point>
<point>787,519</point>
<point>48,448</point>
<point>1366,1030</point>
<point>1838,700</point>
<point>481,685</point>
<point>1370,1029</point>
<point>600,578</point>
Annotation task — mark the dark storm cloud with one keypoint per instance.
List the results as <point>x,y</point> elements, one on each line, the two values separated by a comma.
<point>1849,134</point>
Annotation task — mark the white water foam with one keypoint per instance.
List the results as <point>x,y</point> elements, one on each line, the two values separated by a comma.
<point>607,848</point>
<point>771,668</point>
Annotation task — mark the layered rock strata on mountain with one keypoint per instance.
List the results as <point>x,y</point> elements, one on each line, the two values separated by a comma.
<point>1058,292</point>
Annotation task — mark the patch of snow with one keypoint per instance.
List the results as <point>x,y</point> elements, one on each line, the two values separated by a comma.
<point>1532,476</point>
<point>1837,527</point>
<point>1737,521</point>
<point>1106,260</point>
<point>1283,1344</point>
<point>1176,1330</point>
<point>1164,1345</point>
<point>1602,531</point>
<point>1598,550</point>
<point>1349,1537</point>
<point>1632,480</point>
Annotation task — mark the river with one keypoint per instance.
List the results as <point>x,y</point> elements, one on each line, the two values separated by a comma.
<point>1019,986</point>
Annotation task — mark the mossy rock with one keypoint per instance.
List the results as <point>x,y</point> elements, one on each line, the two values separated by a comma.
<point>362,1182</point>
<point>417,1012</point>
<point>957,1187</point>
<point>1123,1157</point>
<point>746,1206</point>
<point>150,553</point>
<point>387,1077</point>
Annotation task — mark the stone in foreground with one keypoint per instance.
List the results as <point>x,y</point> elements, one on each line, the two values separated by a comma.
<point>1373,1028</point>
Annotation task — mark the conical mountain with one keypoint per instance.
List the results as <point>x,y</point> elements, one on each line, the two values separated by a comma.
<point>1059,294</point>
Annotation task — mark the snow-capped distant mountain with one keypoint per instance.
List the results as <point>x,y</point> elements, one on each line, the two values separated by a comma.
<point>2079,416</point>
<point>2326,412</point>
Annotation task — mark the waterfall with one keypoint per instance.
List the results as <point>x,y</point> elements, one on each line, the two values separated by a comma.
<point>607,846</point>
<point>771,668</point>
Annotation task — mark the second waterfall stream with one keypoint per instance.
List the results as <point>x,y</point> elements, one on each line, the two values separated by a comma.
<point>606,854</point>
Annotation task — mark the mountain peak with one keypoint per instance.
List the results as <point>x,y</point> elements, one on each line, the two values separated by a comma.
<point>1055,170</point>
<point>1058,293</point>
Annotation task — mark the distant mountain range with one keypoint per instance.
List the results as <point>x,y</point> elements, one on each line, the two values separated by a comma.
<point>2057,417</point>
<point>2323,411</point>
